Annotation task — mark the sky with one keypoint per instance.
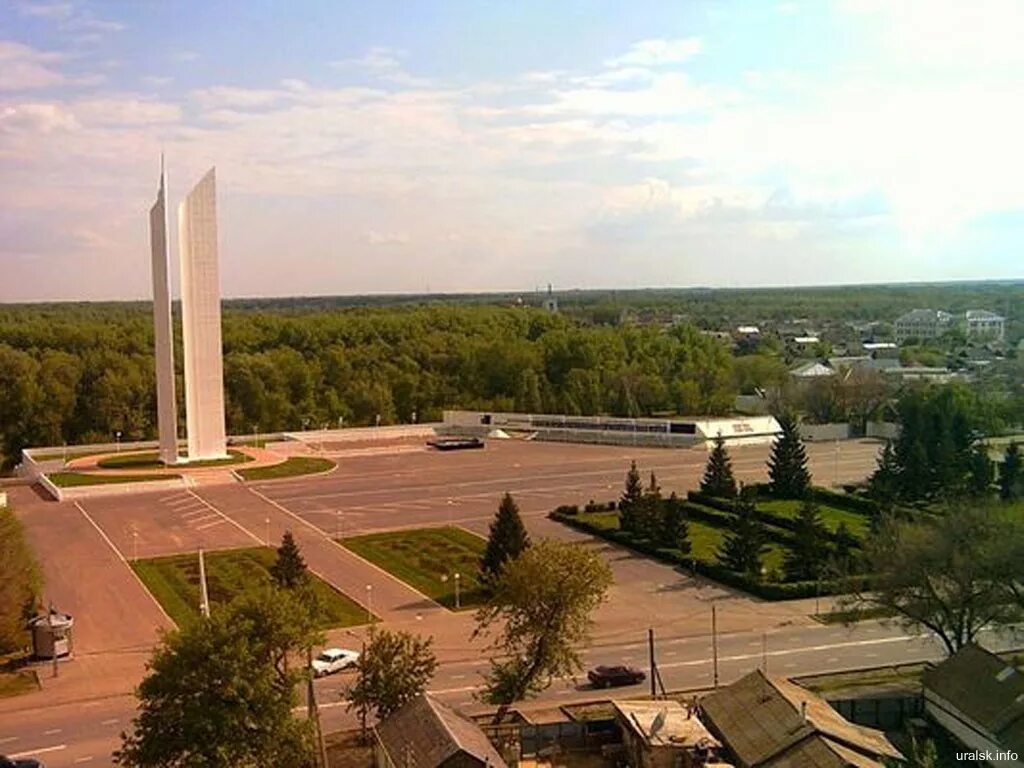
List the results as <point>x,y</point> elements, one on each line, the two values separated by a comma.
<point>454,145</point>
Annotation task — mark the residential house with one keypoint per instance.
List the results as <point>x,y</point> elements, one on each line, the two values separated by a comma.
<point>771,722</point>
<point>428,734</point>
<point>811,370</point>
<point>664,734</point>
<point>979,700</point>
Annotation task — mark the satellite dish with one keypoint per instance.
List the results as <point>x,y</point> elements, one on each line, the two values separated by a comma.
<point>659,722</point>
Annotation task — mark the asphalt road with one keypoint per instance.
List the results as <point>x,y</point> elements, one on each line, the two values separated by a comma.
<point>86,733</point>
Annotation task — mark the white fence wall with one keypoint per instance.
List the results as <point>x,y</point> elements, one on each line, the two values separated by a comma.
<point>883,430</point>
<point>824,432</point>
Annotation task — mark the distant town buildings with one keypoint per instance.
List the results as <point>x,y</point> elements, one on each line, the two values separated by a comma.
<point>979,324</point>
<point>982,324</point>
<point>922,324</point>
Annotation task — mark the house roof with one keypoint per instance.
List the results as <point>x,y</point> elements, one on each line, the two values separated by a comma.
<point>433,732</point>
<point>678,727</point>
<point>982,314</point>
<point>760,718</point>
<point>985,689</point>
<point>812,369</point>
<point>924,315</point>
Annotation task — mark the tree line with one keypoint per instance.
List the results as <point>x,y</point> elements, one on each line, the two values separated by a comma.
<point>81,373</point>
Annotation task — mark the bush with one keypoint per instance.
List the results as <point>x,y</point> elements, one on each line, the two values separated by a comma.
<point>845,501</point>
<point>593,506</point>
<point>566,509</point>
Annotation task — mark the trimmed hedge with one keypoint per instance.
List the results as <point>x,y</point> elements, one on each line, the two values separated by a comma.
<point>847,501</point>
<point>707,512</point>
<point>766,591</point>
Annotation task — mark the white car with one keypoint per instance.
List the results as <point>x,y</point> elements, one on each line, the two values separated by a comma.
<point>333,660</point>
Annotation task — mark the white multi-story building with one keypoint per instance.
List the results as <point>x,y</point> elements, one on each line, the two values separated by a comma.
<point>922,324</point>
<point>982,324</point>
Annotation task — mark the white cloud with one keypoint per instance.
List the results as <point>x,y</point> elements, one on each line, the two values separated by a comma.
<point>54,11</point>
<point>25,68</point>
<point>36,118</point>
<point>373,237</point>
<point>654,53</point>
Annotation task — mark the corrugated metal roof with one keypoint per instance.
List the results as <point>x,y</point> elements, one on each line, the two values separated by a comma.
<point>678,726</point>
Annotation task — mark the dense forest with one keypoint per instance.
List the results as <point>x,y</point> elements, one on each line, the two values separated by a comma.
<point>82,372</point>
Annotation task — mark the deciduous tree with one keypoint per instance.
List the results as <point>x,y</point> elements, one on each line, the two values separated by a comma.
<point>394,668</point>
<point>1010,480</point>
<point>217,694</point>
<point>945,573</point>
<point>20,582</point>
<point>541,609</point>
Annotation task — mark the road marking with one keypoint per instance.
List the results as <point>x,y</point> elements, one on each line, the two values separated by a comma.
<point>40,751</point>
<point>51,732</point>
<point>83,759</point>
<point>209,525</point>
<point>8,739</point>
<point>237,525</point>
<point>111,721</point>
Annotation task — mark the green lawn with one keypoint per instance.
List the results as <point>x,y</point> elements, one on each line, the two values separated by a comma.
<point>426,559</point>
<point>17,683</point>
<point>76,479</point>
<point>174,582</point>
<point>151,460</point>
<point>292,467</point>
<point>857,524</point>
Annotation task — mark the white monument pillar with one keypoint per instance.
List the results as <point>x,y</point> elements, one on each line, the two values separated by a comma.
<point>166,407</point>
<point>200,315</point>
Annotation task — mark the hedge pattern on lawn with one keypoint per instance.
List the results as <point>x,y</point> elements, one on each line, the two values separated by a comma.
<point>79,479</point>
<point>427,559</point>
<point>857,524</point>
<point>294,466</point>
<point>174,582</point>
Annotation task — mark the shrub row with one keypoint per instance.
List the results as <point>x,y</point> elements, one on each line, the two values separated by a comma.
<point>766,591</point>
<point>700,509</point>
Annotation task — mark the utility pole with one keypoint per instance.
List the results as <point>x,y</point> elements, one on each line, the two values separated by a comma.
<point>714,642</point>
<point>312,712</point>
<point>764,652</point>
<point>204,596</point>
<point>53,640</point>
<point>653,663</point>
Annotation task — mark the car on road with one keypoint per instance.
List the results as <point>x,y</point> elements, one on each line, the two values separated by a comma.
<point>607,677</point>
<point>331,660</point>
<point>8,762</point>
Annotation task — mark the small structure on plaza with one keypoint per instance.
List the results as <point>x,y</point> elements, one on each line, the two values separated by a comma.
<point>52,635</point>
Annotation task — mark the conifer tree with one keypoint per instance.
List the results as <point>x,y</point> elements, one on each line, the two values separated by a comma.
<point>844,544</point>
<point>787,465</point>
<point>1009,474</point>
<point>981,472</point>
<point>631,495</point>
<point>809,550</point>
<point>507,539</point>
<point>745,545</point>
<point>675,531</point>
<point>650,511</point>
<point>884,484</point>
<point>289,570</point>
<point>718,478</point>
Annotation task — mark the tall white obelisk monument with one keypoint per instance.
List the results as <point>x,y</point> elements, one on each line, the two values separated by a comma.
<point>166,406</point>
<point>200,322</point>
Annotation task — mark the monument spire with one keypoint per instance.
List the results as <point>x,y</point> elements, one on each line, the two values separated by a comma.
<point>163,340</point>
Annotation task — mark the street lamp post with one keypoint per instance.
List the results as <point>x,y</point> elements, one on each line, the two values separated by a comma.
<point>135,544</point>
<point>256,433</point>
<point>267,521</point>
<point>117,441</point>
<point>835,475</point>
<point>457,600</point>
<point>369,603</point>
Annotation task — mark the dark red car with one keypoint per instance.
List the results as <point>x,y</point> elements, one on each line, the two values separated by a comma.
<point>607,677</point>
